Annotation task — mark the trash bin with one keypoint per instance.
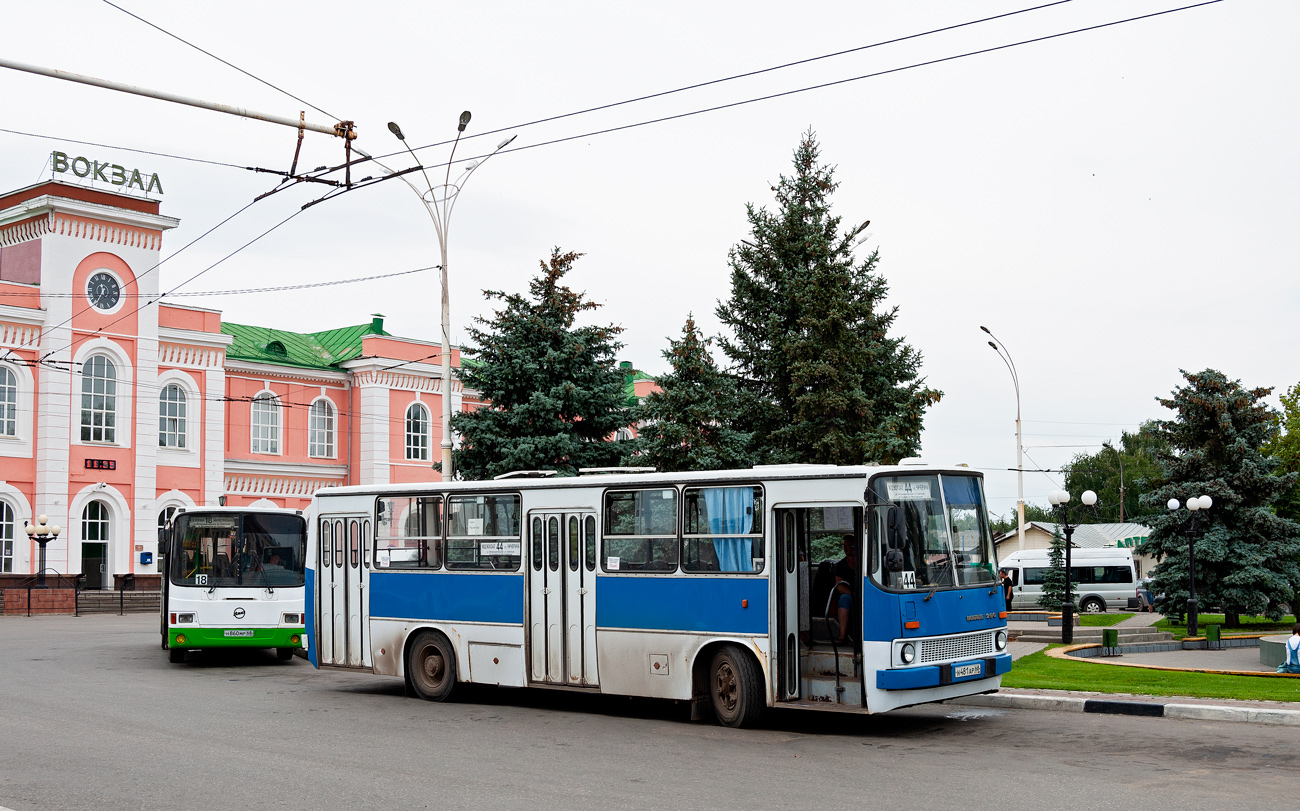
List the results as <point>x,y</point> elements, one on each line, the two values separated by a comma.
<point>1213,638</point>
<point>1110,642</point>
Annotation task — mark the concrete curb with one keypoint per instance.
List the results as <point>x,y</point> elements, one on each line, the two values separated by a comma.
<point>1152,709</point>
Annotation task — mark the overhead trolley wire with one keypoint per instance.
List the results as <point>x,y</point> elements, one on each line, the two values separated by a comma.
<point>222,61</point>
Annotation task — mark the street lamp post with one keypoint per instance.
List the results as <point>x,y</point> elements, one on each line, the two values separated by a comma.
<point>439,201</point>
<point>1194,506</point>
<point>1059,499</point>
<point>43,532</point>
<point>1001,349</point>
<point>1119,459</point>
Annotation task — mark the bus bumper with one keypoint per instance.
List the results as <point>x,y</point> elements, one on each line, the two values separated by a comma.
<point>197,638</point>
<point>912,678</point>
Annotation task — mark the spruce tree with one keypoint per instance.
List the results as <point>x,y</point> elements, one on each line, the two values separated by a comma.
<point>555,394</point>
<point>1053,596</point>
<point>689,424</point>
<point>1246,555</point>
<point>822,379</point>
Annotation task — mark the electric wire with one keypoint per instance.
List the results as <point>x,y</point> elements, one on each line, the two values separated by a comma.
<point>219,59</point>
<point>122,148</point>
<point>242,291</point>
<point>756,99</point>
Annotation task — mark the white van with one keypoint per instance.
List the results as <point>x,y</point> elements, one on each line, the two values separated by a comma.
<point>1101,578</point>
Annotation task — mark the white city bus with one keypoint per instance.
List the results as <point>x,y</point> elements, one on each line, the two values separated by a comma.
<point>233,578</point>
<point>860,589</point>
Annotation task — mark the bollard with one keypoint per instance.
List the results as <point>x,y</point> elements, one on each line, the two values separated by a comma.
<point>1110,642</point>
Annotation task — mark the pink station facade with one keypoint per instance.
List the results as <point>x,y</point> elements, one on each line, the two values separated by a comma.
<point>112,416</point>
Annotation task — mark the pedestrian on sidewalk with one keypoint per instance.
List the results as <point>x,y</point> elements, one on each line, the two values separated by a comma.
<point>1292,648</point>
<point>1007,584</point>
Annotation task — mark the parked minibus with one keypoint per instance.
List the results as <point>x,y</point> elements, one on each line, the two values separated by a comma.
<point>1102,578</point>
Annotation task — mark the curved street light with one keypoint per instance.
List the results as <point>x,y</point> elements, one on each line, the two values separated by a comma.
<point>439,201</point>
<point>1001,349</point>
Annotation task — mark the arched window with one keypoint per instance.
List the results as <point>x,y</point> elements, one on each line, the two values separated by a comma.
<point>165,516</point>
<point>98,400</point>
<point>8,403</point>
<point>266,424</point>
<point>320,429</point>
<point>94,522</point>
<point>6,537</point>
<point>417,433</point>
<point>171,417</point>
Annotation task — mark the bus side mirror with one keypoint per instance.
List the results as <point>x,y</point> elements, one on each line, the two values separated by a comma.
<point>896,529</point>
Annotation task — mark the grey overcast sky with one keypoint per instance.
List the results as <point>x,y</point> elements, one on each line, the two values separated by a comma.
<point>1112,204</point>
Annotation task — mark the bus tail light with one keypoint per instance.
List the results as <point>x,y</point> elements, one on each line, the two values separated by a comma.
<point>173,618</point>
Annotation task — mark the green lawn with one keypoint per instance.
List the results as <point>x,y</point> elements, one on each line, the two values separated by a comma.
<point>1249,625</point>
<point>1042,671</point>
<point>1101,620</point>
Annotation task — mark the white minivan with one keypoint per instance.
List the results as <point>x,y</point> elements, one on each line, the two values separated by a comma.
<point>1102,578</point>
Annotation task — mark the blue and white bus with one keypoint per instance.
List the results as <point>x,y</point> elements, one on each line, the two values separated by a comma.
<point>859,589</point>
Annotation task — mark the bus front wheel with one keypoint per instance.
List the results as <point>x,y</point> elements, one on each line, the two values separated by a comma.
<point>735,688</point>
<point>431,666</point>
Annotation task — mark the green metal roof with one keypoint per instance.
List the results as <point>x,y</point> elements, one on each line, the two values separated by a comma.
<point>313,350</point>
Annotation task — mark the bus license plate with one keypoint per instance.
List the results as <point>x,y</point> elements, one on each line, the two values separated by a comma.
<point>249,632</point>
<point>958,671</point>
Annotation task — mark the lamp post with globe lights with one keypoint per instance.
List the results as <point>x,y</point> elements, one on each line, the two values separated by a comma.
<point>42,532</point>
<point>1059,500</point>
<point>1194,506</point>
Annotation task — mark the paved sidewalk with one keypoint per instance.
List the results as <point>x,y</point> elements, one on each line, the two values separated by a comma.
<point>1139,620</point>
<point>1187,708</point>
<point>1018,649</point>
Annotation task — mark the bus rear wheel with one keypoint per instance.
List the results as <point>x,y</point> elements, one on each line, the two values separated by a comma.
<point>431,666</point>
<point>176,655</point>
<point>735,688</point>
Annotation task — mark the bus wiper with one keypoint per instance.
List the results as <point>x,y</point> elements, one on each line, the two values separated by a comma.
<point>932,591</point>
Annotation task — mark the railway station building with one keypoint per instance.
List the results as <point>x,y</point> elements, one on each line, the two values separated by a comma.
<point>115,410</point>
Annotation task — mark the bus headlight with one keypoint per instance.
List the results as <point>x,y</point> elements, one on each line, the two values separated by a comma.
<point>184,618</point>
<point>1000,640</point>
<point>292,619</point>
<point>907,653</point>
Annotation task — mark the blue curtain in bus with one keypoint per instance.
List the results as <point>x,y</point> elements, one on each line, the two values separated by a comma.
<point>731,509</point>
<point>961,491</point>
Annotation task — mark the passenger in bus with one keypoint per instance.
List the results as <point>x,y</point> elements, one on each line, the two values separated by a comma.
<point>846,579</point>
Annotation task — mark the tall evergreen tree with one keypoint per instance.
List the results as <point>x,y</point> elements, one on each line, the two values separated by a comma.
<point>554,391</point>
<point>689,424</point>
<point>1246,555</point>
<point>823,379</point>
<point>1053,596</point>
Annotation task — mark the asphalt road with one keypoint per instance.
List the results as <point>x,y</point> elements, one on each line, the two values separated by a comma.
<point>93,716</point>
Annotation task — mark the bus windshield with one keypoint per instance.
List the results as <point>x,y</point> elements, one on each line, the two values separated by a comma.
<point>931,531</point>
<point>251,550</point>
